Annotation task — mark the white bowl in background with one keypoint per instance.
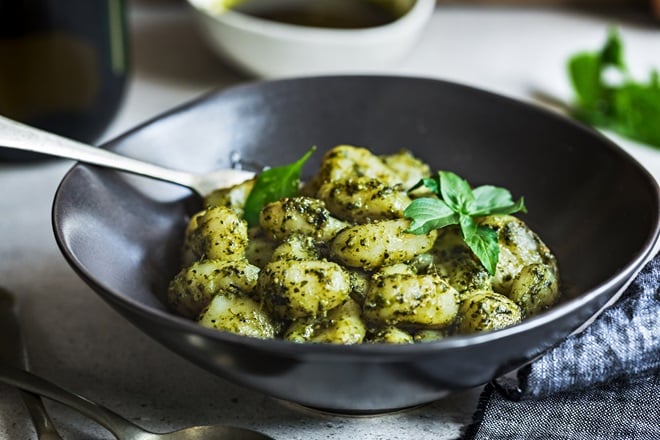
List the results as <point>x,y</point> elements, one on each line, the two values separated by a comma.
<point>267,48</point>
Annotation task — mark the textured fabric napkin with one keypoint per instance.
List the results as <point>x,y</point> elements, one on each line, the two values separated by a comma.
<point>603,383</point>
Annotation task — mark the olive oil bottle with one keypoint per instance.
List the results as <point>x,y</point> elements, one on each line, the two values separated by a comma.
<point>63,66</point>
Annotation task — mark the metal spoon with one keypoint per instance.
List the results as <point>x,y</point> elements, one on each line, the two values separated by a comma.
<point>12,350</point>
<point>119,426</point>
<point>24,137</point>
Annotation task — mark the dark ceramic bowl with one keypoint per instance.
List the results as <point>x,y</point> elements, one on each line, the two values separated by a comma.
<point>591,203</point>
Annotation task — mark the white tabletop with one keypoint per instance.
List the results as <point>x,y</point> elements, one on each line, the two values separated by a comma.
<point>79,342</point>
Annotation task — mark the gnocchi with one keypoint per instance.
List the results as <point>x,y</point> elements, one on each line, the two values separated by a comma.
<point>335,264</point>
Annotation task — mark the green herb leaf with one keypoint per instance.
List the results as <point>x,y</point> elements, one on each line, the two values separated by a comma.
<point>637,108</point>
<point>428,214</point>
<point>455,191</point>
<point>585,71</point>
<point>612,52</point>
<point>457,203</point>
<point>484,245</point>
<point>468,226</point>
<point>490,199</point>
<point>626,106</point>
<point>432,183</point>
<point>274,184</point>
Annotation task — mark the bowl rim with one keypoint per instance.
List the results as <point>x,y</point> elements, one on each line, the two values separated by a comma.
<point>415,17</point>
<point>389,352</point>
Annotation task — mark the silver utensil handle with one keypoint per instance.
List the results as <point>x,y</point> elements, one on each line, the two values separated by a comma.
<point>19,136</point>
<point>122,428</point>
<point>43,425</point>
<point>12,350</point>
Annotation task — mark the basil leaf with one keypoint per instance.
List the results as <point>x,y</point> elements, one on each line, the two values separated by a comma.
<point>518,206</point>
<point>494,200</point>
<point>627,107</point>
<point>584,70</point>
<point>485,246</point>
<point>488,197</point>
<point>460,204</point>
<point>428,214</point>
<point>612,52</point>
<point>637,110</point>
<point>468,226</point>
<point>431,183</point>
<point>274,184</point>
<point>455,191</point>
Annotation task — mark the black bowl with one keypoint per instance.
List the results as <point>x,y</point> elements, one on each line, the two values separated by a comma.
<point>594,206</point>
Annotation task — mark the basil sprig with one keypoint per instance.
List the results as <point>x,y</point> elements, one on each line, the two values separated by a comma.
<point>458,204</point>
<point>274,184</point>
<point>607,96</point>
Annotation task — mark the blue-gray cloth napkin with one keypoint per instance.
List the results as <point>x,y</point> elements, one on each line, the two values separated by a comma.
<point>602,383</point>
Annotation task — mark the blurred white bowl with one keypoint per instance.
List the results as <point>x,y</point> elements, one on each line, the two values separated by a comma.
<point>267,48</point>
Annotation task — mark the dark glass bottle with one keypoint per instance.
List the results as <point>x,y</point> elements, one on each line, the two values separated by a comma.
<point>63,65</point>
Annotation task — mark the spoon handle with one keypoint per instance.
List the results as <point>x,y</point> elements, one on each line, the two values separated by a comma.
<point>120,427</point>
<point>12,350</point>
<point>43,425</point>
<point>19,136</point>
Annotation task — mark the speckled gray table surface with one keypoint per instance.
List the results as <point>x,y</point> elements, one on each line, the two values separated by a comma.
<point>79,342</point>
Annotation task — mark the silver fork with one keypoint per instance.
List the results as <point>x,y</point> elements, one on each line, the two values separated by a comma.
<point>12,351</point>
<point>19,136</point>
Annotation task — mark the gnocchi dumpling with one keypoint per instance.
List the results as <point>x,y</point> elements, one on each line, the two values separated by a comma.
<point>294,289</point>
<point>233,197</point>
<point>391,335</point>
<point>299,215</point>
<point>194,286</point>
<point>297,247</point>
<point>218,233</point>
<point>404,299</point>
<point>485,311</point>
<point>519,247</point>
<point>535,288</point>
<point>346,162</point>
<point>342,325</point>
<point>237,314</point>
<point>407,167</point>
<point>377,244</point>
<point>364,199</point>
<point>454,261</point>
<point>260,247</point>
